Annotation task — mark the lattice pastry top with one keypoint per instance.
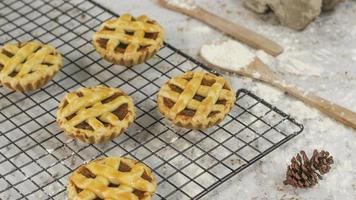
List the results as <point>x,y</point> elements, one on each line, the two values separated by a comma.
<point>114,178</point>
<point>196,100</point>
<point>96,114</point>
<point>127,40</point>
<point>28,66</point>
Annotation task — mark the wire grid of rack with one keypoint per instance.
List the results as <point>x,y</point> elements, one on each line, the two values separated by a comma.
<point>36,158</point>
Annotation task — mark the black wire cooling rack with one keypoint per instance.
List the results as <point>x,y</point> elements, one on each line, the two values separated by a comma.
<point>36,158</point>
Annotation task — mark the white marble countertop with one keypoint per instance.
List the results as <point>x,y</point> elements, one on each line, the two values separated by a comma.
<point>328,49</point>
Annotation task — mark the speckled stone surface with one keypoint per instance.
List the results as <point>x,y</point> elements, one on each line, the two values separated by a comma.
<point>328,47</point>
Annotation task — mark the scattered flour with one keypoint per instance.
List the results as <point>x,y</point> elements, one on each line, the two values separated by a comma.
<point>50,150</point>
<point>269,93</point>
<point>353,31</point>
<point>256,75</point>
<point>229,55</point>
<point>296,108</point>
<point>301,112</point>
<point>287,63</point>
<point>186,4</point>
<point>295,66</point>
<point>200,29</point>
<point>266,58</point>
<point>354,54</point>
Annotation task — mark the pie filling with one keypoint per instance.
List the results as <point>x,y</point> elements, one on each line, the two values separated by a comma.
<point>7,53</point>
<point>207,82</point>
<point>111,98</point>
<point>86,172</point>
<point>191,113</point>
<point>143,48</point>
<point>85,126</point>
<point>121,48</point>
<point>113,185</point>
<point>120,112</point>
<point>13,73</point>
<point>222,102</point>
<point>47,63</point>
<point>151,36</point>
<point>140,194</point>
<point>122,168</point>
<point>167,102</point>
<point>175,88</point>
<point>188,112</point>
<point>10,55</point>
<point>129,32</point>
<point>198,97</point>
<point>102,42</point>
<point>213,113</point>
<point>70,116</point>
<point>108,29</point>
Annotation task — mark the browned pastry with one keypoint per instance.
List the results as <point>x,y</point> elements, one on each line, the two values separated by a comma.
<point>114,178</point>
<point>28,66</point>
<point>96,114</point>
<point>196,100</point>
<point>127,40</point>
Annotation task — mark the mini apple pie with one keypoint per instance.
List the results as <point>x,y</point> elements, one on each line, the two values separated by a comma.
<point>114,178</point>
<point>95,115</point>
<point>196,100</point>
<point>28,66</point>
<point>127,40</point>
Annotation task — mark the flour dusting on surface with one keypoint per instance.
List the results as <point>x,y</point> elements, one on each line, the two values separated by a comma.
<point>229,55</point>
<point>269,93</point>
<point>256,75</point>
<point>298,67</point>
<point>186,4</point>
<point>285,63</point>
<point>354,54</point>
<point>266,58</point>
<point>289,63</point>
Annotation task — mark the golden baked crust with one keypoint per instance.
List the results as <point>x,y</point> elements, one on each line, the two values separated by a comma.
<point>28,66</point>
<point>114,178</point>
<point>196,100</point>
<point>127,40</point>
<point>95,115</point>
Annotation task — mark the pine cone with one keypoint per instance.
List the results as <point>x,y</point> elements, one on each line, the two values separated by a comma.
<point>321,161</point>
<point>302,170</point>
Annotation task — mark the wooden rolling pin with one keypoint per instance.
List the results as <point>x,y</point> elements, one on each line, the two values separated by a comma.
<point>243,34</point>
